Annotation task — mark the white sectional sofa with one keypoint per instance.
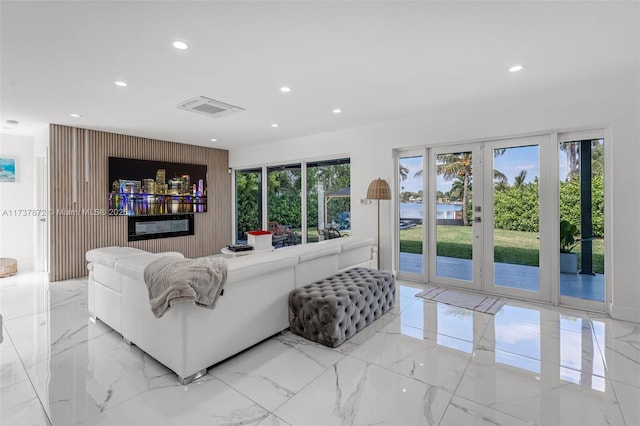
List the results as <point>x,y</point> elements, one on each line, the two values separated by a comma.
<point>188,339</point>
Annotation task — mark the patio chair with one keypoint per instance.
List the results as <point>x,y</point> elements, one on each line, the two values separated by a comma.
<point>331,233</point>
<point>281,234</point>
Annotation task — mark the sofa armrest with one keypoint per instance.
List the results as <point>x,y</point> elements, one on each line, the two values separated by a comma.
<point>108,256</point>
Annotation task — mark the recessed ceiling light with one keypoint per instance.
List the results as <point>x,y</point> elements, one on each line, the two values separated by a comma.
<point>120,83</point>
<point>274,125</point>
<point>74,115</point>
<point>180,45</point>
<point>515,68</point>
<point>285,89</point>
<point>337,110</point>
<point>213,140</point>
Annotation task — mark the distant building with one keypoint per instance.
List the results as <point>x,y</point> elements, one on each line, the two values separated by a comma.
<point>161,177</point>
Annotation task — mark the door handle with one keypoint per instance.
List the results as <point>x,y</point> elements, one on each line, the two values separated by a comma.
<point>477,219</point>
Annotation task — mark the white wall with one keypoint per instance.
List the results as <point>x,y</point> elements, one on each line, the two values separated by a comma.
<point>610,101</point>
<point>18,233</point>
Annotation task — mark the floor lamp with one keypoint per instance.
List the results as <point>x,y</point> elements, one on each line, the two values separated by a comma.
<point>379,190</point>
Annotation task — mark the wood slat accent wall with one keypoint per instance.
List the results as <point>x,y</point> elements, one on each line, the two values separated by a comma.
<point>72,235</point>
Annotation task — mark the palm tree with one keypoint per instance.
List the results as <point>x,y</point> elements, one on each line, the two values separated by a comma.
<point>499,177</point>
<point>519,180</point>
<point>404,172</point>
<point>500,181</point>
<point>572,149</point>
<point>457,189</point>
<point>452,166</point>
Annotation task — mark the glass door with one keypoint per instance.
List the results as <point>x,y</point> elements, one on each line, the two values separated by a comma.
<point>455,205</point>
<point>515,217</point>
<point>411,209</point>
<point>496,217</point>
<point>581,215</point>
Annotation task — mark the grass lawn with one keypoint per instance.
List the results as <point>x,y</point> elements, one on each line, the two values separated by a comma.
<point>515,247</point>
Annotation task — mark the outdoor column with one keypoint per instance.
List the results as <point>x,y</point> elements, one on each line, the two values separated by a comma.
<point>586,205</point>
<point>321,210</point>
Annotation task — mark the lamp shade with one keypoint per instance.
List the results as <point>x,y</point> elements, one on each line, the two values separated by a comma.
<point>379,190</point>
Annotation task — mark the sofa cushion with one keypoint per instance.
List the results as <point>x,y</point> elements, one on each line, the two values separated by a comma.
<point>170,254</point>
<point>311,251</point>
<point>353,243</point>
<point>107,256</point>
<point>240,268</point>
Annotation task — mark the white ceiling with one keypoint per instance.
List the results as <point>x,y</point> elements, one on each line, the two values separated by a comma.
<point>374,60</point>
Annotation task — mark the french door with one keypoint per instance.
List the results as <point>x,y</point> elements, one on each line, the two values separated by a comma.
<point>455,249</point>
<point>489,217</point>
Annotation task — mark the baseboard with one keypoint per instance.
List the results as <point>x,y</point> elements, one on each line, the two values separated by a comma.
<point>625,314</point>
<point>26,267</point>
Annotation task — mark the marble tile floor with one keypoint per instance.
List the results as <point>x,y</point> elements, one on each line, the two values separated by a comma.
<point>424,363</point>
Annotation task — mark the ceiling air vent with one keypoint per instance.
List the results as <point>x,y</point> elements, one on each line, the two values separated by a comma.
<point>209,107</point>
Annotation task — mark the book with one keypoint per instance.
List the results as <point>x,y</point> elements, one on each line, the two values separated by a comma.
<point>239,247</point>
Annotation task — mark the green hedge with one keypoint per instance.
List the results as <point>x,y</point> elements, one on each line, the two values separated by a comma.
<point>517,208</point>
<point>570,203</point>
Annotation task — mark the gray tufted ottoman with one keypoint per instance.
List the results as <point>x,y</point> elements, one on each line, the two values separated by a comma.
<point>334,309</point>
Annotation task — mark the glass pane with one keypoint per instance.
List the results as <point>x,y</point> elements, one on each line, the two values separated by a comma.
<point>284,202</point>
<point>328,199</point>
<point>454,236</point>
<point>410,172</point>
<point>248,203</point>
<point>582,219</point>
<point>516,212</point>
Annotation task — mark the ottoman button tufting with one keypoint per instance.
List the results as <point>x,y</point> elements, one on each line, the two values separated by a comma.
<point>334,309</point>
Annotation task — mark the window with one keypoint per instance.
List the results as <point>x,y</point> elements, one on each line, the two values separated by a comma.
<point>325,213</point>
<point>248,202</point>
<point>328,199</point>
<point>284,203</point>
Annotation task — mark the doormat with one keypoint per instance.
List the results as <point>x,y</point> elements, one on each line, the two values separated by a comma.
<point>464,299</point>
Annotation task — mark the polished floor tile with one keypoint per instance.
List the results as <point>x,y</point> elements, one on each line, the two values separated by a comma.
<point>273,420</point>
<point>19,405</point>
<point>31,293</point>
<point>537,392</point>
<point>277,371</point>
<point>355,392</point>
<point>621,343</point>
<point>11,369</point>
<point>206,401</point>
<point>423,359</point>
<point>462,412</point>
<point>629,398</point>
<point>421,363</point>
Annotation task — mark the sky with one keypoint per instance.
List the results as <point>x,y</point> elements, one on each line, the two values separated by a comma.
<point>511,163</point>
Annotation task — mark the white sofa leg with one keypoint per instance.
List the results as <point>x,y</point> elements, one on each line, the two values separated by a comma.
<point>186,380</point>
